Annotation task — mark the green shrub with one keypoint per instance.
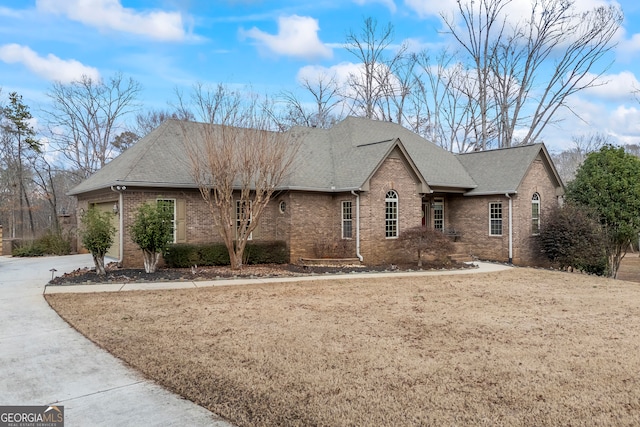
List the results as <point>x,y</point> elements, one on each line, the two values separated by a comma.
<point>55,244</point>
<point>272,252</point>
<point>571,238</point>
<point>28,249</point>
<point>97,234</point>
<point>49,244</point>
<point>181,255</point>
<point>215,254</point>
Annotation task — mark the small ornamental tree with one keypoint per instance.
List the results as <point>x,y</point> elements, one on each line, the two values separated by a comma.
<point>97,234</point>
<point>152,230</point>
<point>426,240</point>
<point>572,238</point>
<point>608,184</point>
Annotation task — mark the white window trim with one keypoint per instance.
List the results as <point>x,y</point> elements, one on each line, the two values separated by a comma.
<point>173,220</point>
<point>238,202</point>
<point>438,202</point>
<point>535,200</point>
<point>343,220</point>
<point>396,220</point>
<point>491,204</point>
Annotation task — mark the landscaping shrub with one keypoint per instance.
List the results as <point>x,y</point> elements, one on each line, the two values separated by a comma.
<point>421,240</point>
<point>181,255</point>
<point>274,252</point>
<point>215,254</point>
<point>49,244</point>
<point>56,243</point>
<point>569,237</point>
<point>28,249</point>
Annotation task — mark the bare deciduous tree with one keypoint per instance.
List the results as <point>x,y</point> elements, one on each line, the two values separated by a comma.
<point>568,161</point>
<point>525,73</point>
<point>237,160</point>
<point>86,117</point>
<point>325,98</point>
<point>367,89</point>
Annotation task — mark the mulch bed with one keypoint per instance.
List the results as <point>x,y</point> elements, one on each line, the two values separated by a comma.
<point>132,275</point>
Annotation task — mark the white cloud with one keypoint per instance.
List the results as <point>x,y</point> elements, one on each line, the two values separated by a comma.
<point>515,10</point>
<point>390,4</point>
<point>297,36</point>
<point>50,67</point>
<point>615,87</point>
<point>343,73</point>
<point>340,71</point>
<point>429,8</point>
<point>111,15</point>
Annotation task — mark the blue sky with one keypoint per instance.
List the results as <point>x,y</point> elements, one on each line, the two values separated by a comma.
<point>169,44</point>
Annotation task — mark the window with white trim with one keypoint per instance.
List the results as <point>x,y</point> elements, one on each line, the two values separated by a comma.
<point>495,219</point>
<point>243,216</point>
<point>169,206</point>
<point>347,219</point>
<point>391,214</point>
<point>535,214</point>
<point>438,214</point>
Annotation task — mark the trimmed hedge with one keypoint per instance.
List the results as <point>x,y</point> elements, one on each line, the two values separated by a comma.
<point>183,255</point>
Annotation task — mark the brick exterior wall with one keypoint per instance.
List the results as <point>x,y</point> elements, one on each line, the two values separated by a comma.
<point>538,180</point>
<point>311,223</point>
<point>316,226</point>
<point>393,174</point>
<point>470,216</point>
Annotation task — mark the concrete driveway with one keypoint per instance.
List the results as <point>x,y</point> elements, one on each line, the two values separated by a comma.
<point>44,361</point>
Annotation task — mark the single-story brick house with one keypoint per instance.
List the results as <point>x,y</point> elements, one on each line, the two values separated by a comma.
<point>352,191</point>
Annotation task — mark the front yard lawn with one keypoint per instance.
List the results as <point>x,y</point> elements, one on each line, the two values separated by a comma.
<point>521,347</point>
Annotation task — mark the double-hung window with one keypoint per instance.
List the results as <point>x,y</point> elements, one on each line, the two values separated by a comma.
<point>438,214</point>
<point>169,206</point>
<point>535,214</point>
<point>347,219</point>
<point>243,216</point>
<point>495,219</point>
<point>391,214</point>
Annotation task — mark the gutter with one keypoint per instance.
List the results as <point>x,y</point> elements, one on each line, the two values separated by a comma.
<point>119,189</point>
<point>510,227</point>
<point>358,254</point>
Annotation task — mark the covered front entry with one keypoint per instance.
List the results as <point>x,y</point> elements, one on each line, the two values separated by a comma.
<point>433,213</point>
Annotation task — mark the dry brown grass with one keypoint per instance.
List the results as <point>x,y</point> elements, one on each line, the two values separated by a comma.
<point>522,347</point>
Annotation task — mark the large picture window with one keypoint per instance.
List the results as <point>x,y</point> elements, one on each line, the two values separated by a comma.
<point>391,214</point>
<point>169,206</point>
<point>535,214</point>
<point>347,220</point>
<point>495,219</point>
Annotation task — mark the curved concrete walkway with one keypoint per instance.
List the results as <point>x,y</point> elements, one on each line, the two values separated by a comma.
<point>44,361</point>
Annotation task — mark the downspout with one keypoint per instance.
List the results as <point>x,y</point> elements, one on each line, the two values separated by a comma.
<point>119,189</point>
<point>358,254</point>
<point>510,227</point>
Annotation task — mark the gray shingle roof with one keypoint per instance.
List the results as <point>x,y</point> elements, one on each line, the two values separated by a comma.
<point>501,171</point>
<point>337,159</point>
